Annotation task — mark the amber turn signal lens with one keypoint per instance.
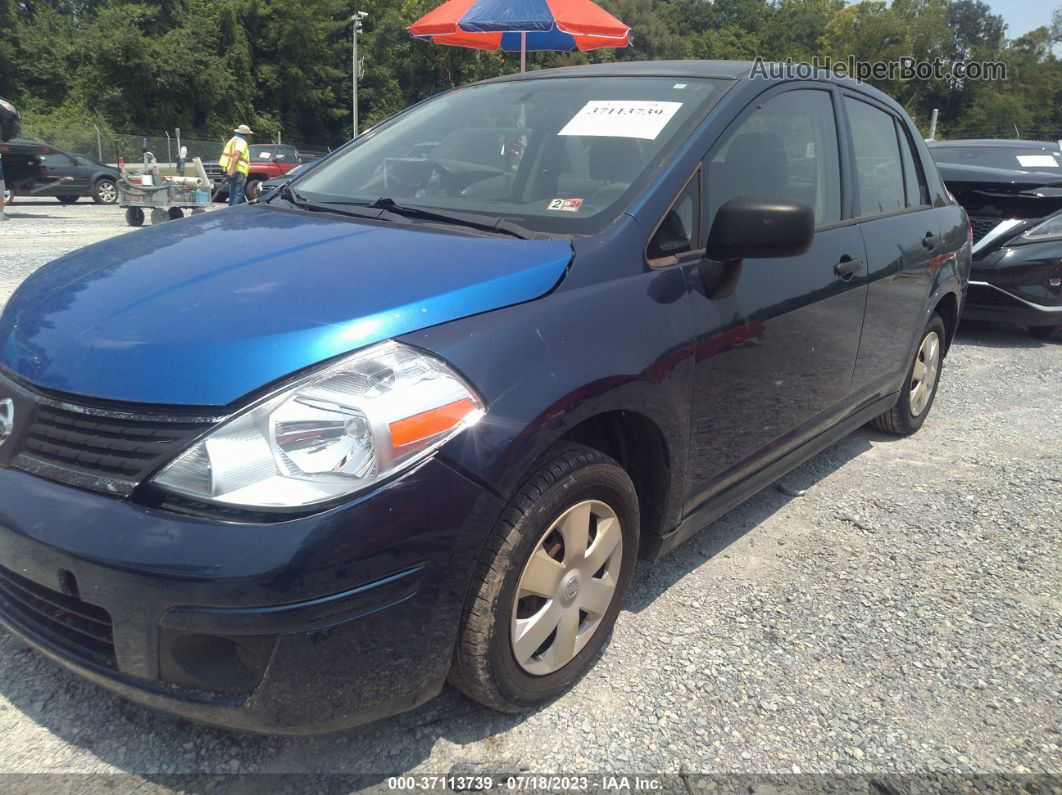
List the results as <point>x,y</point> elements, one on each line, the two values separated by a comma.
<point>429,423</point>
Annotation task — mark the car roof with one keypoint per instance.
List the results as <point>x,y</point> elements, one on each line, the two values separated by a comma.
<point>1008,142</point>
<point>737,71</point>
<point>726,70</point>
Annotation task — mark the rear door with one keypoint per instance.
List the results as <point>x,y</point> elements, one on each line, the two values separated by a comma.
<point>902,236</point>
<point>776,355</point>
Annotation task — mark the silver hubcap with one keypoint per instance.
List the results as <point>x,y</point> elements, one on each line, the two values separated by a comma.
<point>924,375</point>
<point>107,192</point>
<point>566,587</point>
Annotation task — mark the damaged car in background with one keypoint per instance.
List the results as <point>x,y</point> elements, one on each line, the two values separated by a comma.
<point>1012,191</point>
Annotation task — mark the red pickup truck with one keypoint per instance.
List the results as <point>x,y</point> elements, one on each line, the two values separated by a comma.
<point>267,161</point>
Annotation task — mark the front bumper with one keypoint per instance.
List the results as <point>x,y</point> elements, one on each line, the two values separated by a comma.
<point>1020,284</point>
<point>304,626</point>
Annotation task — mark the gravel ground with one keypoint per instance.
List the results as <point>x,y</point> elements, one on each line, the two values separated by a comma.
<point>904,616</point>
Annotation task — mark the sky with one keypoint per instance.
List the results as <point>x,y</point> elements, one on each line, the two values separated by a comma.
<point>1022,16</point>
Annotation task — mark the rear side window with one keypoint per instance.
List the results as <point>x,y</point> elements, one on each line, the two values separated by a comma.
<point>787,148</point>
<point>878,165</point>
<point>917,193</point>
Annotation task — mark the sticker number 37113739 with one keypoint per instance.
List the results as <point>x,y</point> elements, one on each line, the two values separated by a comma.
<point>621,119</point>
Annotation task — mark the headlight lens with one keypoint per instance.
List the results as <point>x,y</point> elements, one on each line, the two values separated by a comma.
<point>1044,230</point>
<point>337,432</point>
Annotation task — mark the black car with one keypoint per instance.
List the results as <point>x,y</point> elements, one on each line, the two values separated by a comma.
<point>67,177</point>
<point>1012,191</point>
<point>294,465</point>
<point>283,179</point>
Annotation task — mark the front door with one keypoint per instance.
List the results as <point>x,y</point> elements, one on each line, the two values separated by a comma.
<point>777,350</point>
<point>71,178</point>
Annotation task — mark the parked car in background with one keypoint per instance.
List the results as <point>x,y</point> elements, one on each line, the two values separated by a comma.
<point>1015,208</point>
<point>292,466</point>
<point>21,163</point>
<point>268,161</point>
<point>277,182</point>
<point>67,177</point>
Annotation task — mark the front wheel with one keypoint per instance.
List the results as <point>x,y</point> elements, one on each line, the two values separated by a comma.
<point>105,192</point>
<point>552,580</point>
<point>134,216</point>
<point>9,196</point>
<point>920,387</point>
<point>1046,333</point>
<point>253,189</point>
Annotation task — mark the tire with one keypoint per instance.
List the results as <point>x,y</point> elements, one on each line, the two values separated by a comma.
<point>571,487</point>
<point>159,216</point>
<point>253,189</point>
<point>134,216</point>
<point>105,191</point>
<point>1046,333</point>
<point>67,199</point>
<point>9,196</point>
<point>175,213</point>
<point>918,391</point>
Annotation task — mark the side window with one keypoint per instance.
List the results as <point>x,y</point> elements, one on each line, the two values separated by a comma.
<point>678,232</point>
<point>788,148</point>
<point>878,166</point>
<point>917,192</point>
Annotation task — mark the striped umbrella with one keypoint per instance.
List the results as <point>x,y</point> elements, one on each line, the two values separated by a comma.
<point>522,26</point>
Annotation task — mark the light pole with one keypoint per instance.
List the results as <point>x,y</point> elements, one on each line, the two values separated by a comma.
<point>355,30</point>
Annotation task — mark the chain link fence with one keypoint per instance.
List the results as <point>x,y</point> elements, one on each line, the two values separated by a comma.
<point>108,145</point>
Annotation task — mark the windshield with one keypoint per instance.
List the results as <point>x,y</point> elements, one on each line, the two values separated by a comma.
<point>558,155</point>
<point>1022,158</point>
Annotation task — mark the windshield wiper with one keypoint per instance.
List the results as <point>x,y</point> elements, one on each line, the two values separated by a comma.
<point>471,220</point>
<point>390,210</point>
<point>292,196</point>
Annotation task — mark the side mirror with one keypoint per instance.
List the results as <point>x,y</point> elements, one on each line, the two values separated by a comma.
<point>760,226</point>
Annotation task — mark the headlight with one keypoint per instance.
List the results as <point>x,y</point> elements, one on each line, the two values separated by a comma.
<point>1045,230</point>
<point>340,430</point>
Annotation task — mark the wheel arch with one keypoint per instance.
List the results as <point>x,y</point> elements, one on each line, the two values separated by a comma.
<point>638,445</point>
<point>948,309</point>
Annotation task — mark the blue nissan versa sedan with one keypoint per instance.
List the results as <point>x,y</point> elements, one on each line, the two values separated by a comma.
<point>290,466</point>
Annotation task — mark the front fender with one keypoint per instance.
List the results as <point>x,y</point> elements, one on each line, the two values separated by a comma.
<point>546,366</point>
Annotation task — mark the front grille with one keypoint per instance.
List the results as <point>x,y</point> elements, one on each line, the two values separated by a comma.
<point>111,451</point>
<point>63,621</point>
<point>118,451</point>
<point>983,225</point>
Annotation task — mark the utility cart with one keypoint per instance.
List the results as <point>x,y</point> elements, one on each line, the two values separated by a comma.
<point>165,202</point>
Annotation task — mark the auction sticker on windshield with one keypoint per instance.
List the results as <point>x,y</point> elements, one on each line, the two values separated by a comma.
<point>1037,161</point>
<point>622,119</point>
<point>565,205</point>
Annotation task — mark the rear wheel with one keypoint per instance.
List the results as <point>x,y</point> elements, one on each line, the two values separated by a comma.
<point>159,216</point>
<point>9,196</point>
<point>1046,333</point>
<point>175,213</point>
<point>551,583</point>
<point>68,199</point>
<point>105,192</point>
<point>920,387</point>
<point>134,216</point>
<point>253,189</point>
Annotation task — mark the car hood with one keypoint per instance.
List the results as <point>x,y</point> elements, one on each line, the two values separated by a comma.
<point>203,311</point>
<point>967,177</point>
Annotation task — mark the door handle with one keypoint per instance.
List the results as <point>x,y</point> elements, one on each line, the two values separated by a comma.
<point>927,241</point>
<point>847,267</point>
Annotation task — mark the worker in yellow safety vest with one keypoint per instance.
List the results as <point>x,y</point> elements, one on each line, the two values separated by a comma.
<point>236,163</point>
